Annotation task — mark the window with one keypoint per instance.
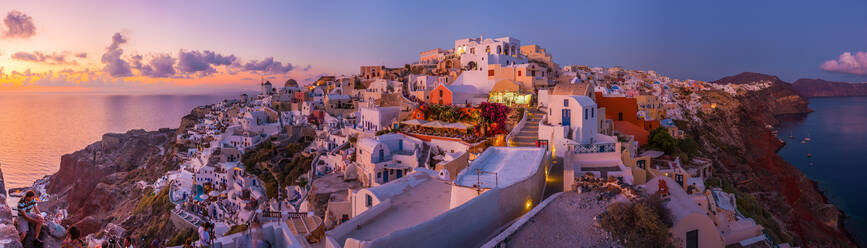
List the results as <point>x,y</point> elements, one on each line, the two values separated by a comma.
<point>586,114</point>
<point>379,175</point>
<point>620,116</point>
<point>369,201</point>
<point>593,113</point>
<point>490,73</point>
<point>692,239</point>
<point>533,73</point>
<point>565,102</point>
<point>441,93</point>
<point>473,50</point>
<point>640,163</point>
<point>519,73</point>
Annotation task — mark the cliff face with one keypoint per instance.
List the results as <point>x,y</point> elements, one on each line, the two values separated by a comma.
<point>821,88</point>
<point>8,233</point>
<point>745,150</point>
<point>99,184</point>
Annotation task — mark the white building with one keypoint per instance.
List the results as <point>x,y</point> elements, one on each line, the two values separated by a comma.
<point>569,120</point>
<point>372,119</point>
<point>388,157</point>
<point>477,53</point>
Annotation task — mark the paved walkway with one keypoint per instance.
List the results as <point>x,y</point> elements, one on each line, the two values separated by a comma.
<point>555,177</point>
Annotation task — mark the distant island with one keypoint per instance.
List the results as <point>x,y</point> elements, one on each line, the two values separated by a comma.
<point>807,87</point>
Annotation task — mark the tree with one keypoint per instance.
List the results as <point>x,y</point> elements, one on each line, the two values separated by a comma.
<point>660,139</point>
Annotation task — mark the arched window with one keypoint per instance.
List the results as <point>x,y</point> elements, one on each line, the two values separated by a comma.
<point>488,49</point>
<point>513,50</point>
<point>506,50</point>
<point>499,49</point>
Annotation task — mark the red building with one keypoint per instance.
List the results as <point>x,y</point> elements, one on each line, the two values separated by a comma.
<point>624,112</point>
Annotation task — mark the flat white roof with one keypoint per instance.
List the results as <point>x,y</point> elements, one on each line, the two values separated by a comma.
<point>502,166</point>
<point>413,205</point>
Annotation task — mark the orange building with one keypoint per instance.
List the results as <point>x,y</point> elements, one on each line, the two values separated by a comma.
<point>624,112</point>
<point>452,94</point>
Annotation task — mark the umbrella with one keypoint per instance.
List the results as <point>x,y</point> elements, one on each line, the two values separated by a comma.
<point>414,122</point>
<point>434,124</point>
<point>214,193</point>
<point>458,125</point>
<point>204,197</point>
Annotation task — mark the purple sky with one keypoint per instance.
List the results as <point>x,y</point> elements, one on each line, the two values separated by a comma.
<point>226,43</point>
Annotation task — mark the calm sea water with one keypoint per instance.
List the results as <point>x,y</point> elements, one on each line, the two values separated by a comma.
<point>838,130</point>
<point>36,129</point>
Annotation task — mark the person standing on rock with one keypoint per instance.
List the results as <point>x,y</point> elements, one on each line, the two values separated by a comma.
<point>27,210</point>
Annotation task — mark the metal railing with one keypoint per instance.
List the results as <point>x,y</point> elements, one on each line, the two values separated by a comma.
<point>593,148</point>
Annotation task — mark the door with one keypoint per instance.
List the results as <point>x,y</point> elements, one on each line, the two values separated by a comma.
<point>692,239</point>
<point>567,117</point>
<point>384,176</point>
<point>399,173</point>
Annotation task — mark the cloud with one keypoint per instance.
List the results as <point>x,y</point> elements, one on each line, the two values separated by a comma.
<point>202,62</point>
<point>81,55</point>
<point>848,63</point>
<point>267,66</point>
<point>18,25</point>
<point>159,66</point>
<point>114,64</point>
<point>36,56</point>
<point>307,68</point>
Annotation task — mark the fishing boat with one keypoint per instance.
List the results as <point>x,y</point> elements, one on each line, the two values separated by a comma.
<point>809,155</point>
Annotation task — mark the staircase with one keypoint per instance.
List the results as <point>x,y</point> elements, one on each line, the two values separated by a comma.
<point>530,133</point>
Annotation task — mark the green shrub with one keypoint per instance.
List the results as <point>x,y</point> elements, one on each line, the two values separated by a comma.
<point>644,223</point>
<point>182,236</point>
<point>236,229</point>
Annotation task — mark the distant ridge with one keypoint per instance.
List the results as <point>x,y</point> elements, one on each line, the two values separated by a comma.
<point>806,87</point>
<point>820,88</point>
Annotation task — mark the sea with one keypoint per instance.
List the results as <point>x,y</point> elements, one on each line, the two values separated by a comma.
<point>37,129</point>
<point>835,156</point>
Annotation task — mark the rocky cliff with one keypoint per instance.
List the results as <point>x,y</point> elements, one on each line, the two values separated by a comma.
<point>736,137</point>
<point>8,233</point>
<point>104,182</point>
<point>820,88</point>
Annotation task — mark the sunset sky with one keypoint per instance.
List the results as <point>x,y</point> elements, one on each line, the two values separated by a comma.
<point>201,46</point>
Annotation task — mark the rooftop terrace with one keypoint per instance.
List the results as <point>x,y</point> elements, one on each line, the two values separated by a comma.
<point>501,166</point>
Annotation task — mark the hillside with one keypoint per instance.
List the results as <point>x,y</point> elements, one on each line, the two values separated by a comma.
<point>771,191</point>
<point>747,77</point>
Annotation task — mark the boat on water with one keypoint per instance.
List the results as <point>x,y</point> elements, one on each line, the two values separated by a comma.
<point>803,142</point>
<point>809,155</point>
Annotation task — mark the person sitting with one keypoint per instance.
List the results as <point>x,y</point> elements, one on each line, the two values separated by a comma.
<point>28,212</point>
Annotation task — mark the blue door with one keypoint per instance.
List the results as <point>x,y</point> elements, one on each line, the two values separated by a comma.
<point>567,117</point>
<point>399,173</point>
<point>384,176</point>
